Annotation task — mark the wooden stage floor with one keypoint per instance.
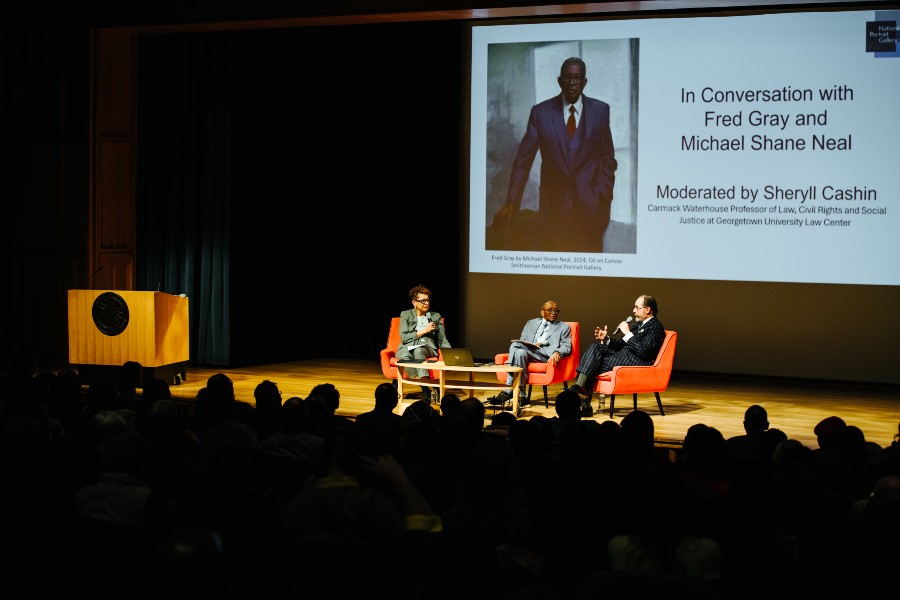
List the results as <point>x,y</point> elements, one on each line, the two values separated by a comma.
<point>718,401</point>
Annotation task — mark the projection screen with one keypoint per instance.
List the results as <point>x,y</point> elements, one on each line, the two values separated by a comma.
<point>756,188</point>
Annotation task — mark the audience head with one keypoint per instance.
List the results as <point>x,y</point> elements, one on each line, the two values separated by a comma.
<point>358,440</point>
<point>321,418</point>
<point>422,427</point>
<point>637,427</point>
<point>449,402</point>
<point>189,562</point>
<point>293,414</point>
<point>705,450</point>
<point>771,439</point>
<point>886,491</point>
<point>503,419</point>
<point>386,397</point>
<point>267,396</point>
<point>132,373</point>
<point>568,405</point>
<point>851,442</point>
<point>221,384</point>
<point>103,394</point>
<point>756,419</point>
<point>476,411</point>
<point>227,450</point>
<point>156,389</point>
<point>118,447</point>
<point>461,429</point>
<point>827,432</point>
<point>214,404</point>
<point>330,394</point>
<point>790,452</point>
<point>67,384</point>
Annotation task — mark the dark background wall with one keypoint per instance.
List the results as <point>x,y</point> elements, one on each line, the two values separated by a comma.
<point>345,184</point>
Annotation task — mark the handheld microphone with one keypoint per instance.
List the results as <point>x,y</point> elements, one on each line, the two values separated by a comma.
<point>619,329</point>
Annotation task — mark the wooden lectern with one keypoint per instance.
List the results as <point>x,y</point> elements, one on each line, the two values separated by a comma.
<point>108,328</point>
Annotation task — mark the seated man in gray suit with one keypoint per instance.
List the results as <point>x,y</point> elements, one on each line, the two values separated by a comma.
<point>543,339</point>
<point>639,345</point>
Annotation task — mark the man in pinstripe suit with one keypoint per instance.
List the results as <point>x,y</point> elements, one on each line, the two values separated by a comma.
<point>639,345</point>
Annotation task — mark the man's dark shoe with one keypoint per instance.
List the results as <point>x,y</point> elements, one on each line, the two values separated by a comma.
<point>523,399</point>
<point>579,390</point>
<point>503,400</point>
<point>586,410</point>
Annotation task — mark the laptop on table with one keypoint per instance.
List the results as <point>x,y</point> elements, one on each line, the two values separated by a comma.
<point>460,357</point>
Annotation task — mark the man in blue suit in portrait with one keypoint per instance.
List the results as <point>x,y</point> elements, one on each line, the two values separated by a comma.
<point>578,169</point>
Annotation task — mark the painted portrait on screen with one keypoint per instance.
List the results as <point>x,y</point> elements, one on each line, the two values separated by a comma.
<point>561,137</point>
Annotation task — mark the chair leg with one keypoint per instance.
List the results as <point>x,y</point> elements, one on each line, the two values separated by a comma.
<point>546,401</point>
<point>635,401</point>
<point>612,404</point>
<point>659,403</point>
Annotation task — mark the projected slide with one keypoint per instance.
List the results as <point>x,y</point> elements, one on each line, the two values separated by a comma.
<point>746,148</point>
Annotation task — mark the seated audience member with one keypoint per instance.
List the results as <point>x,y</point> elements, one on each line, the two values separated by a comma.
<point>828,432</point>
<point>321,407</point>
<point>120,498</point>
<point>131,378</point>
<point>887,462</point>
<point>873,552</point>
<point>568,408</point>
<point>294,441</point>
<point>383,418</point>
<point>750,443</point>
<point>639,454</point>
<point>501,423</point>
<point>449,402</point>
<point>330,394</point>
<point>364,506</point>
<point>662,541</point>
<point>268,408</point>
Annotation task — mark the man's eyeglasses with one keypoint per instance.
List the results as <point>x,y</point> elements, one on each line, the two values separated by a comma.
<point>639,307</point>
<point>551,310</point>
<point>575,78</point>
<point>423,300</point>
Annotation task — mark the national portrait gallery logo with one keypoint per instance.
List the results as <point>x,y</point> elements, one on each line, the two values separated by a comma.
<point>882,33</point>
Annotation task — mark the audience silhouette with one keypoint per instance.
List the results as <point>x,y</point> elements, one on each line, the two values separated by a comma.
<point>133,498</point>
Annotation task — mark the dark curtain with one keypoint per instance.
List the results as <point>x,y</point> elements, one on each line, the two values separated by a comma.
<point>276,191</point>
<point>184,188</point>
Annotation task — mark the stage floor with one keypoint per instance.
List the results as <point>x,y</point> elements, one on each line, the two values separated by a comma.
<point>718,401</point>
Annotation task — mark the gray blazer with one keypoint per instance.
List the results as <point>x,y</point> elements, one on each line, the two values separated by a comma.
<point>408,322</point>
<point>560,339</point>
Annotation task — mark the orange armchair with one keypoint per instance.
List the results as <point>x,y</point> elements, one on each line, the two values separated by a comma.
<point>545,374</point>
<point>389,353</point>
<point>639,379</point>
